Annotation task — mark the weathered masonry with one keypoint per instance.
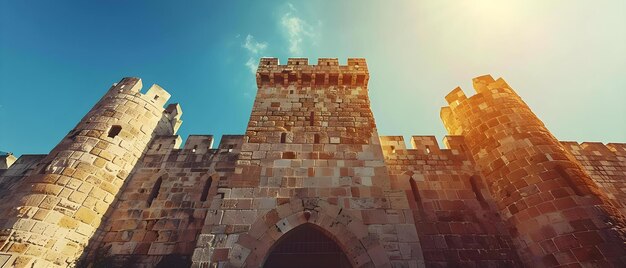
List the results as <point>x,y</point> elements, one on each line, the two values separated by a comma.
<point>312,184</point>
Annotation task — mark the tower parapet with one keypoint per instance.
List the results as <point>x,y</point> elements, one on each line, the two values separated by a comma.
<point>298,72</point>
<point>50,222</point>
<point>556,213</point>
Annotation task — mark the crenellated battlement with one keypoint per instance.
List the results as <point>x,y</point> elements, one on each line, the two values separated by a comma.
<point>487,90</point>
<point>155,95</point>
<point>483,85</point>
<point>595,148</point>
<point>423,145</point>
<point>298,72</point>
<point>197,144</point>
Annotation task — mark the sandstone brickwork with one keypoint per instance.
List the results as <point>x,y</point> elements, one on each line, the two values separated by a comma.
<point>557,214</point>
<point>311,175</point>
<point>606,164</point>
<point>158,217</point>
<point>454,214</point>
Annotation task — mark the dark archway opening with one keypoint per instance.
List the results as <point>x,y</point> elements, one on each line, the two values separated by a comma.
<point>306,247</point>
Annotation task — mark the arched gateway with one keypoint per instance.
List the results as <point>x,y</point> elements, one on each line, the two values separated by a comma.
<point>306,246</point>
<point>311,232</point>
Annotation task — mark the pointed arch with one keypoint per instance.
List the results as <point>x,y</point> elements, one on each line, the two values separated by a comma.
<point>346,230</point>
<point>306,246</point>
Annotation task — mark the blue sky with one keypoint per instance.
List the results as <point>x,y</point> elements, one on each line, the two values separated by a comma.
<point>566,59</point>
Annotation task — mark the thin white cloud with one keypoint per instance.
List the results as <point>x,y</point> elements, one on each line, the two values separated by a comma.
<point>254,49</point>
<point>253,46</point>
<point>296,29</point>
<point>252,64</point>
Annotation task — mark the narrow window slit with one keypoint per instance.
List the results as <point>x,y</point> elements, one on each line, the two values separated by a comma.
<point>155,190</point>
<point>205,190</point>
<point>416,193</point>
<point>114,131</point>
<point>474,183</point>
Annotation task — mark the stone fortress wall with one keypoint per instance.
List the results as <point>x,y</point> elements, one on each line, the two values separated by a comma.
<point>119,190</point>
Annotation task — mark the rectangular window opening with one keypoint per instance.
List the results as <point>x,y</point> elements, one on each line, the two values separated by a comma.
<point>114,131</point>
<point>278,79</point>
<point>319,79</point>
<point>306,78</point>
<point>265,79</point>
<point>333,79</point>
<point>360,80</point>
<point>347,79</point>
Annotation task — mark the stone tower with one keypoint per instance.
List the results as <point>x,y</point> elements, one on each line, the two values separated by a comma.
<point>52,214</point>
<point>556,213</point>
<point>311,165</point>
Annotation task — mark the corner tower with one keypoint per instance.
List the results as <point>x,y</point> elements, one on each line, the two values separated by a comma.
<point>555,212</point>
<point>51,218</point>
